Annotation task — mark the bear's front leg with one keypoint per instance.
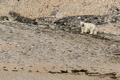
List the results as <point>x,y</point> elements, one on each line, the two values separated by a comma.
<point>82,30</point>
<point>85,30</point>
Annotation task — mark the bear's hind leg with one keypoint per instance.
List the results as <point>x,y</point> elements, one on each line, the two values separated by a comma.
<point>91,31</point>
<point>95,32</point>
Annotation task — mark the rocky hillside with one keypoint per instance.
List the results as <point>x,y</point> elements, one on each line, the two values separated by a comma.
<point>58,8</point>
<point>41,37</point>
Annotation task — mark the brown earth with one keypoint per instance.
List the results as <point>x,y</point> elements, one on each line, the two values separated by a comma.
<point>59,8</point>
<point>56,50</point>
<point>39,49</point>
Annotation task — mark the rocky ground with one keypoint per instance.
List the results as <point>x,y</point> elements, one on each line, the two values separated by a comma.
<point>40,40</point>
<point>57,8</point>
<point>52,50</point>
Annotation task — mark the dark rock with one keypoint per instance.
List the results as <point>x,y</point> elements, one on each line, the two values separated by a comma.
<point>4,18</point>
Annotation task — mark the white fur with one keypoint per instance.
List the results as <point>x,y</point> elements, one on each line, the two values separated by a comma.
<point>85,27</point>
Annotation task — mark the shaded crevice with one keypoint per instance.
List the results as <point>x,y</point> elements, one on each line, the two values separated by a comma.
<point>52,72</point>
<point>77,72</point>
<point>111,75</point>
<point>4,18</point>
<point>62,71</point>
<point>72,72</point>
<point>17,17</point>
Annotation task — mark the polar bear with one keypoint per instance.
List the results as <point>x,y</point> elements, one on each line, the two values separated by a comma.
<point>88,27</point>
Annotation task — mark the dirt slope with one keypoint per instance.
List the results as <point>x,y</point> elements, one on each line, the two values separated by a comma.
<point>36,49</point>
<point>59,8</point>
<point>55,49</point>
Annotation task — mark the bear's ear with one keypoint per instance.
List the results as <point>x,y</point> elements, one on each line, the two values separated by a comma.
<point>82,25</point>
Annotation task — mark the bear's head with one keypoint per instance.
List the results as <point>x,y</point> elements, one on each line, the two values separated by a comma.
<point>82,24</point>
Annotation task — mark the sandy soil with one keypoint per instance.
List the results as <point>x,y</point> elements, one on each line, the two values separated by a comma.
<point>60,8</point>
<point>31,76</point>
